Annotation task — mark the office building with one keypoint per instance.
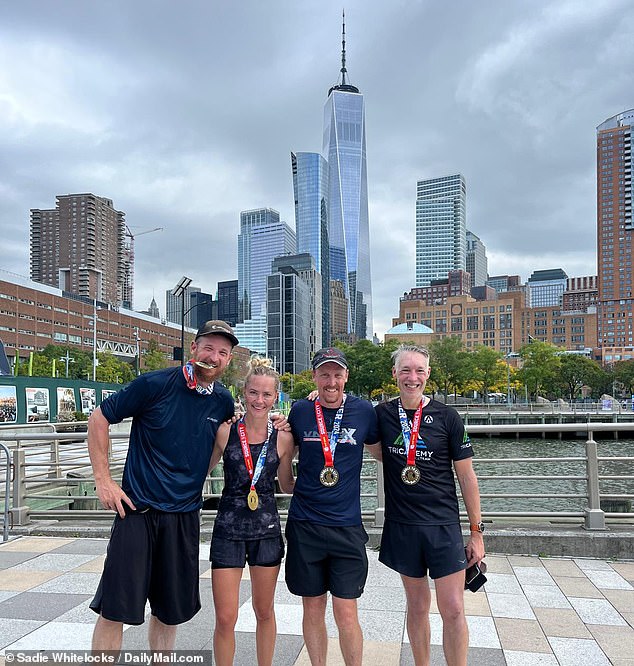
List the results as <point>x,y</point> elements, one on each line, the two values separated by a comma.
<point>456,283</point>
<point>476,260</point>
<point>503,323</point>
<point>288,320</point>
<point>262,238</point>
<point>614,235</point>
<point>80,247</point>
<point>546,287</point>
<point>348,222</point>
<point>339,313</point>
<point>503,283</point>
<point>581,293</point>
<point>228,302</point>
<point>203,308</point>
<point>310,188</point>
<point>304,265</point>
<point>441,228</point>
<point>174,306</point>
<point>252,334</point>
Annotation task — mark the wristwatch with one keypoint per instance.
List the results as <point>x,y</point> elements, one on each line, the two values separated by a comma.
<point>477,527</point>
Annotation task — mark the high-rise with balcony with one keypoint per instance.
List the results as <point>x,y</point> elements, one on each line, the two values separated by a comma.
<point>348,222</point>
<point>441,228</point>
<point>310,188</point>
<point>79,247</point>
<point>614,235</point>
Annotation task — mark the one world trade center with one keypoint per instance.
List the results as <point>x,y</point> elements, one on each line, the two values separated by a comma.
<point>349,233</point>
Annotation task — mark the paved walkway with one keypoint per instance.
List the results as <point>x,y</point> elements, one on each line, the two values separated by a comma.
<point>532,611</point>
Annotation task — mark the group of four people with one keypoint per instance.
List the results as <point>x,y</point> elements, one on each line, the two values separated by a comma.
<point>182,427</point>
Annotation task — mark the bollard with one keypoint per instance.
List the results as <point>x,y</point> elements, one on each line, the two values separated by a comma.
<point>595,517</point>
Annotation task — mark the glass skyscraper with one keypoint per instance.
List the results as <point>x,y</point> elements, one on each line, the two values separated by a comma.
<point>262,238</point>
<point>310,187</point>
<point>348,223</point>
<point>441,228</point>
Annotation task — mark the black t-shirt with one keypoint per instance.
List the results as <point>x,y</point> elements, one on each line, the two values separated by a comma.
<point>235,520</point>
<point>441,440</point>
<point>339,505</point>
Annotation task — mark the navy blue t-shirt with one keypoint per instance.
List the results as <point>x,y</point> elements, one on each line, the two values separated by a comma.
<point>339,505</point>
<point>441,440</point>
<point>172,436</point>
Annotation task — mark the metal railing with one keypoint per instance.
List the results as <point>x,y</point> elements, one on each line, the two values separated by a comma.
<point>7,484</point>
<point>52,479</point>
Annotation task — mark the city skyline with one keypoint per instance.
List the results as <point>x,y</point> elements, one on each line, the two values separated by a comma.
<point>183,125</point>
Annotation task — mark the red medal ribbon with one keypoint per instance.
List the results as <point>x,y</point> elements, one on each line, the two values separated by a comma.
<point>413,435</point>
<point>246,451</point>
<point>323,435</point>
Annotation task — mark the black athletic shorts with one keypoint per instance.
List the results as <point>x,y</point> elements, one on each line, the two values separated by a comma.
<point>413,550</point>
<point>230,554</point>
<point>151,556</point>
<point>322,559</point>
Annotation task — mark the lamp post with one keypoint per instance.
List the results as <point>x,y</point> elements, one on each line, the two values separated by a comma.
<point>138,357</point>
<point>94,342</point>
<point>67,359</point>
<point>179,291</point>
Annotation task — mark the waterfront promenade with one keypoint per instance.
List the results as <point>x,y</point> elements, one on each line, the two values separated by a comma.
<point>533,610</point>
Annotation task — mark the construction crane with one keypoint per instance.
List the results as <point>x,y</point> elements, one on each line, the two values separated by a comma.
<point>128,269</point>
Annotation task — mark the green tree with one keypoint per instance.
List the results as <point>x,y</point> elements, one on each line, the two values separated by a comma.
<point>541,362</point>
<point>449,364</point>
<point>370,365</point>
<point>111,369</point>
<point>486,368</point>
<point>298,386</point>
<point>624,373</point>
<point>153,359</point>
<point>575,372</point>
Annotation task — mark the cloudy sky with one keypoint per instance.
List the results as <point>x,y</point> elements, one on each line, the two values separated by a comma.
<point>185,112</point>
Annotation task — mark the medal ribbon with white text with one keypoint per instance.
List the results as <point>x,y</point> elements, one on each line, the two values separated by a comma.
<point>410,437</point>
<point>254,475</point>
<point>329,446</point>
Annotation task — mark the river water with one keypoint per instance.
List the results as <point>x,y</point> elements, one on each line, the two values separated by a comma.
<point>486,448</point>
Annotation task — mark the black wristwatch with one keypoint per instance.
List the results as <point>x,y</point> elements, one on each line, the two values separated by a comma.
<point>477,527</point>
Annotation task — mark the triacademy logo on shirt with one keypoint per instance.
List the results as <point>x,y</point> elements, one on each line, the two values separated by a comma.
<point>345,437</point>
<point>422,453</point>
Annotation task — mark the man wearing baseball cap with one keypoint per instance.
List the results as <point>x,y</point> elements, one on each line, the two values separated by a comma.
<point>153,549</point>
<point>324,532</point>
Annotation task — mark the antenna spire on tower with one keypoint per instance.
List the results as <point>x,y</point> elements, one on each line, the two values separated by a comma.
<point>343,49</point>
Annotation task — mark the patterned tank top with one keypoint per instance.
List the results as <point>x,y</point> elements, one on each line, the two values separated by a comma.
<point>235,520</point>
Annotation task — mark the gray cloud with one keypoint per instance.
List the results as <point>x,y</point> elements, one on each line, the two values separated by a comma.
<point>185,114</point>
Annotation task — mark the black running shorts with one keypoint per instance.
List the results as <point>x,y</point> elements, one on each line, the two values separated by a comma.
<point>151,556</point>
<point>414,550</point>
<point>322,559</point>
<point>231,554</point>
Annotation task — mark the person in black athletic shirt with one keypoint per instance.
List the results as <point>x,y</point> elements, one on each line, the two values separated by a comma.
<point>422,443</point>
<point>247,527</point>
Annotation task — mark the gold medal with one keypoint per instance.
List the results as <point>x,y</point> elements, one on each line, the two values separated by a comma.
<point>410,475</point>
<point>328,477</point>
<point>252,500</point>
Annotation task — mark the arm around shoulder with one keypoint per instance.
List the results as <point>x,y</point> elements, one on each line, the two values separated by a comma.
<point>220,443</point>
<point>286,453</point>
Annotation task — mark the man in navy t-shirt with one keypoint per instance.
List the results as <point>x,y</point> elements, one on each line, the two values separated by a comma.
<point>153,548</point>
<point>422,442</point>
<point>325,535</point>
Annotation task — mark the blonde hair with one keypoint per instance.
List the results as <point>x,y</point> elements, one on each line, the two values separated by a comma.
<point>259,365</point>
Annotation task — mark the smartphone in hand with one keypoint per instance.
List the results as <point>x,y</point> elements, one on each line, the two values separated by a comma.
<point>474,578</point>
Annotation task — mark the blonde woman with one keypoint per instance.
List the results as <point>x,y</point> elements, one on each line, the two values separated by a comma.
<point>247,527</point>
